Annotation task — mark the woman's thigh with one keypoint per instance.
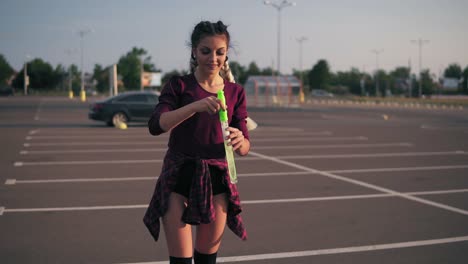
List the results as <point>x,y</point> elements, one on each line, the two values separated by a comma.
<point>178,234</point>
<point>209,236</point>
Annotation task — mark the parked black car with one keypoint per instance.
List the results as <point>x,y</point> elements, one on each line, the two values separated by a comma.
<point>125,107</point>
<point>6,91</point>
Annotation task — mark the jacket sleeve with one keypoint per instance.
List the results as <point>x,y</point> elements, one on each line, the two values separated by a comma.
<point>168,101</point>
<point>240,113</point>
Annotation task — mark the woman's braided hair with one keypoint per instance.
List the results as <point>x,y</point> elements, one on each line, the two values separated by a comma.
<point>204,29</point>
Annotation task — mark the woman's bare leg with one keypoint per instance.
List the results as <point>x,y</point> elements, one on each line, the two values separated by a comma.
<point>178,234</point>
<point>209,236</point>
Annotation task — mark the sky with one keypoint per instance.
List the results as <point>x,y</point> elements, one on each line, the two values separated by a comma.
<point>343,32</point>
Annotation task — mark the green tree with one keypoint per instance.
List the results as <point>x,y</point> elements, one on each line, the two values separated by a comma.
<point>253,69</point>
<point>6,71</point>
<point>465,81</point>
<point>41,76</point>
<point>60,77</point>
<point>350,79</point>
<point>428,86</point>
<point>238,71</point>
<point>101,75</point>
<point>399,80</point>
<point>129,67</point>
<point>305,79</point>
<point>319,75</point>
<point>453,71</point>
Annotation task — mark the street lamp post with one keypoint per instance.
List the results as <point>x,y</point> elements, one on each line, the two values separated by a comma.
<point>300,41</point>
<point>420,43</point>
<point>142,71</point>
<point>26,77</point>
<point>279,7</point>
<point>377,52</point>
<point>82,33</point>
<point>301,93</point>
<point>69,52</point>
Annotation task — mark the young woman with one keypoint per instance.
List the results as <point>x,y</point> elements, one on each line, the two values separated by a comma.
<point>194,187</point>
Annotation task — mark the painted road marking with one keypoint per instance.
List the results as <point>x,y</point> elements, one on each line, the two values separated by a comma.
<point>377,145</point>
<point>247,202</point>
<point>32,135</point>
<point>372,155</point>
<point>95,143</point>
<point>296,138</point>
<point>259,174</point>
<point>364,184</point>
<point>28,152</point>
<point>398,144</point>
<point>330,251</point>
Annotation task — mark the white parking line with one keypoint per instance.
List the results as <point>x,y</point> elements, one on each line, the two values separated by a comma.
<point>27,152</point>
<point>364,184</point>
<point>336,156</point>
<point>247,202</point>
<point>95,143</point>
<point>15,181</point>
<point>70,151</point>
<point>260,174</point>
<point>401,169</point>
<point>32,136</point>
<point>297,138</point>
<point>374,155</point>
<point>332,146</point>
<point>329,251</point>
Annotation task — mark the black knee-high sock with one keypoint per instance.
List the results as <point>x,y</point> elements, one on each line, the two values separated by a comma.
<point>174,260</point>
<point>204,258</point>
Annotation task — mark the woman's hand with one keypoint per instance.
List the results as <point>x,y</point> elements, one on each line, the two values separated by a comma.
<point>209,104</point>
<point>236,136</point>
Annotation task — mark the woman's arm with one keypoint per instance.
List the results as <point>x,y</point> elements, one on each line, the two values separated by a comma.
<point>171,119</point>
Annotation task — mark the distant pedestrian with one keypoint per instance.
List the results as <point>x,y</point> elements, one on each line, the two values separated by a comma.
<point>194,187</point>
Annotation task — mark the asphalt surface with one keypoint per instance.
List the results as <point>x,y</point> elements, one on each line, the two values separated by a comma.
<point>322,184</point>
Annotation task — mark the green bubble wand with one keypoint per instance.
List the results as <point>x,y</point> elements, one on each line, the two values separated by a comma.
<point>223,117</point>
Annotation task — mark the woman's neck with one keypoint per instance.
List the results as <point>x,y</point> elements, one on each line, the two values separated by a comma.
<point>211,83</point>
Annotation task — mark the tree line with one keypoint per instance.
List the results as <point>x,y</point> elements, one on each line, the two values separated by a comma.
<point>399,81</point>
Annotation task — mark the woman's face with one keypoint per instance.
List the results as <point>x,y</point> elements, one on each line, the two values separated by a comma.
<point>211,53</point>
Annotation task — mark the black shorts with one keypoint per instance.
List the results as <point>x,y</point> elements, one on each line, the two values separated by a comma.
<point>184,179</point>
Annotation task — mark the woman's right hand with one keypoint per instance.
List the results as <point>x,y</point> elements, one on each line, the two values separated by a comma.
<point>209,104</point>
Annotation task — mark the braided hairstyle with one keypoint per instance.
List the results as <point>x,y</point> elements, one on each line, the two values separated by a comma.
<point>204,29</point>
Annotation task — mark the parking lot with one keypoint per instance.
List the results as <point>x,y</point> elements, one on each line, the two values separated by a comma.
<point>322,184</point>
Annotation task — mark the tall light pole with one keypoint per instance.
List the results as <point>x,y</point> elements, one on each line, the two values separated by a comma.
<point>69,52</point>
<point>26,77</point>
<point>420,43</point>
<point>279,6</point>
<point>142,71</point>
<point>300,41</point>
<point>377,52</point>
<point>82,33</point>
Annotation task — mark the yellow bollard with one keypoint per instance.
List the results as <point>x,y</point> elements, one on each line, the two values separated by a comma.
<point>301,97</point>
<point>121,125</point>
<point>83,96</point>
<point>70,94</point>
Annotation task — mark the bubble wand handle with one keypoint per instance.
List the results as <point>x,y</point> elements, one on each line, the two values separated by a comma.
<point>223,118</point>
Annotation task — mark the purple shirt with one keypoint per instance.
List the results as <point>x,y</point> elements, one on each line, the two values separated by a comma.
<point>200,135</point>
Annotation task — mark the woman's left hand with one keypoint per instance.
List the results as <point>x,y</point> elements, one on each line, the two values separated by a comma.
<point>236,136</point>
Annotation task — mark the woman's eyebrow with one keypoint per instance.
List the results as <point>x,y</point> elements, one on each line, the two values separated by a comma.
<point>205,47</point>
